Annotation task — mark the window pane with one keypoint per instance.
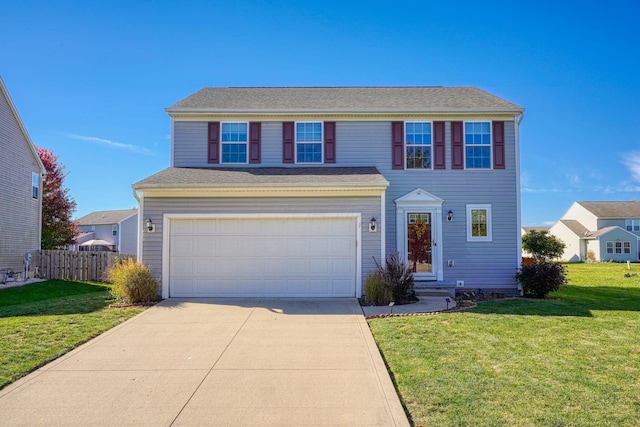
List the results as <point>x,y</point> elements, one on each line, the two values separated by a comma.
<point>478,222</point>
<point>234,153</point>
<point>309,153</point>
<point>309,132</point>
<point>478,157</point>
<point>234,132</point>
<point>418,157</point>
<point>418,133</point>
<point>627,247</point>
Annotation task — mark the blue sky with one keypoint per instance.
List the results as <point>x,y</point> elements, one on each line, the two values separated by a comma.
<point>91,79</point>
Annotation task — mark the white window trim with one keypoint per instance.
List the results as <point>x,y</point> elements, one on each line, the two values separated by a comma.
<point>222,143</point>
<point>430,145</point>
<point>489,236</point>
<point>633,222</point>
<point>464,145</point>
<point>35,183</point>
<point>296,142</point>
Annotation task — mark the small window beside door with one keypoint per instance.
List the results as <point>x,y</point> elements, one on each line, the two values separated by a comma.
<point>479,223</point>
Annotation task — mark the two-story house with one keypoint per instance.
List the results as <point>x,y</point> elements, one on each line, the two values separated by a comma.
<point>20,189</point>
<point>600,231</point>
<point>297,191</point>
<point>114,231</point>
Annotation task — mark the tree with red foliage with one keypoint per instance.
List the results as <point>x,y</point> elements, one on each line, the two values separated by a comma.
<point>58,230</point>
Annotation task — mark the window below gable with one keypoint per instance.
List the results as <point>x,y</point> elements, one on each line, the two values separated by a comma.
<point>618,247</point>
<point>234,142</point>
<point>477,145</point>
<point>418,143</point>
<point>308,142</point>
<point>35,185</point>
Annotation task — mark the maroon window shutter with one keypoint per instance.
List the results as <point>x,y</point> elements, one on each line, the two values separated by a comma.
<point>255,130</point>
<point>214,142</point>
<point>397,145</point>
<point>498,145</point>
<point>329,142</point>
<point>288,142</point>
<point>457,146</point>
<point>438,145</point>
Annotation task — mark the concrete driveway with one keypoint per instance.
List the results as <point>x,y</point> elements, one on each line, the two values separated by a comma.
<point>217,362</point>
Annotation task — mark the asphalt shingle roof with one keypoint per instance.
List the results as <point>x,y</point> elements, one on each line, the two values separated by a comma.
<point>106,217</point>
<point>343,99</point>
<point>263,176</point>
<point>575,227</point>
<point>620,210</point>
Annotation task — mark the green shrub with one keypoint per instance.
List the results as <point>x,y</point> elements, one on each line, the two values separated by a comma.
<point>541,278</point>
<point>132,282</point>
<point>376,291</point>
<point>397,276</point>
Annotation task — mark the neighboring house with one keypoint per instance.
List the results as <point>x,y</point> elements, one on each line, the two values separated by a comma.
<point>602,231</point>
<point>115,231</point>
<point>20,189</point>
<point>297,192</point>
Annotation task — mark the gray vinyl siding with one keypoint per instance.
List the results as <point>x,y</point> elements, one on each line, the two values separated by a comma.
<point>619,235</point>
<point>19,212</point>
<point>128,231</point>
<point>156,208</point>
<point>368,143</point>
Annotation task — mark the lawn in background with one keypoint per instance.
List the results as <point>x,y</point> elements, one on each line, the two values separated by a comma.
<point>572,360</point>
<point>41,321</point>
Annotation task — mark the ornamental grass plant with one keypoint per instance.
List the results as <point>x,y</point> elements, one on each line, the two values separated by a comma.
<point>132,282</point>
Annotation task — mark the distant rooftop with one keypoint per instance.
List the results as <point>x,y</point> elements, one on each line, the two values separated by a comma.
<point>343,99</point>
<point>106,217</point>
<point>619,210</point>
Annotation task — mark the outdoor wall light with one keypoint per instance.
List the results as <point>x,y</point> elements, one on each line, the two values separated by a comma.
<point>150,225</point>
<point>450,215</point>
<point>373,225</point>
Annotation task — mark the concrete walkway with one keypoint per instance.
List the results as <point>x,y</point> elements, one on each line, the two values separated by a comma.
<point>424,305</point>
<point>267,362</point>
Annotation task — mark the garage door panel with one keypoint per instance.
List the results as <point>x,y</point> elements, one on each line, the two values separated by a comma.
<point>263,256</point>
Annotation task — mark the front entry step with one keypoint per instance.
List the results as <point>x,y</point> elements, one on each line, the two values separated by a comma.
<point>432,289</point>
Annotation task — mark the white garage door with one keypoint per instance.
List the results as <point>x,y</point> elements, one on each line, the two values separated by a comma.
<point>275,257</point>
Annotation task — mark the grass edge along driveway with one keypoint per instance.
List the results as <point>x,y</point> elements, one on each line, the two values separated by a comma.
<point>42,321</point>
<point>572,360</point>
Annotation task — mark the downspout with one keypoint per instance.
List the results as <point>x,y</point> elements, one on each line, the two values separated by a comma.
<point>517,122</point>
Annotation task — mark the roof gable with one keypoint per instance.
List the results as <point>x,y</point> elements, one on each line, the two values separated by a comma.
<point>14,111</point>
<point>343,99</point>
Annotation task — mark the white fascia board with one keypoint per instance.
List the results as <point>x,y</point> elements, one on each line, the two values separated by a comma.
<point>262,191</point>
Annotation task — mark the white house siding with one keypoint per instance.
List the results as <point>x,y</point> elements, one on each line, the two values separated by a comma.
<point>19,212</point>
<point>156,207</point>
<point>583,216</point>
<point>128,235</point>
<point>368,143</point>
<point>574,250</point>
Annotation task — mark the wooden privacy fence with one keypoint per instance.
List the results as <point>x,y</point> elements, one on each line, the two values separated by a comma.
<point>71,265</point>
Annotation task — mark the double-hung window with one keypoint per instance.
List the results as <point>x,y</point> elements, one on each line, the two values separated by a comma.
<point>417,145</point>
<point>234,138</point>
<point>114,230</point>
<point>477,145</point>
<point>618,247</point>
<point>309,142</point>
<point>632,224</point>
<point>35,185</point>
<point>479,223</point>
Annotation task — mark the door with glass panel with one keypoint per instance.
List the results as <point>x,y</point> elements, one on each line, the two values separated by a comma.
<point>420,244</point>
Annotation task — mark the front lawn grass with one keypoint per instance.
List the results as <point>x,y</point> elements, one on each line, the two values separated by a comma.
<point>41,321</point>
<point>572,360</point>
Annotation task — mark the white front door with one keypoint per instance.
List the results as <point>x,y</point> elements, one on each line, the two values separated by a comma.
<point>421,243</point>
<point>419,233</point>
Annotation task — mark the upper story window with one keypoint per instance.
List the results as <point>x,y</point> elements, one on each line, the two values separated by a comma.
<point>309,142</point>
<point>35,185</point>
<point>114,230</point>
<point>477,145</point>
<point>479,227</point>
<point>632,224</point>
<point>234,140</point>
<point>418,145</point>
